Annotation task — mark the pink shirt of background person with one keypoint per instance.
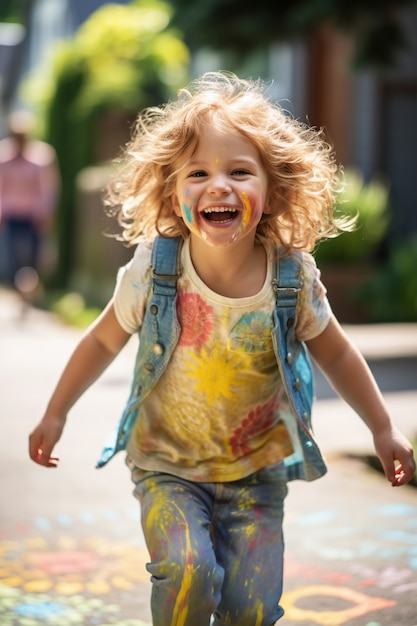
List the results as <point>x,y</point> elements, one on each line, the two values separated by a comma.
<point>29,178</point>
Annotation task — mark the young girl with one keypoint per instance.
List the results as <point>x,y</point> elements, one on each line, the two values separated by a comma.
<point>212,430</point>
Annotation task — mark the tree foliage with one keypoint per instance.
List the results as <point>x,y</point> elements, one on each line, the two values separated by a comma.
<point>122,59</point>
<point>15,10</point>
<point>368,202</point>
<point>242,25</point>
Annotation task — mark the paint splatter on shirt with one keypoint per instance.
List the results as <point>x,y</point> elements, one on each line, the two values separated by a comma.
<point>219,412</point>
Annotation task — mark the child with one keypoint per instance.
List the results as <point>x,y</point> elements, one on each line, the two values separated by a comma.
<point>213,430</point>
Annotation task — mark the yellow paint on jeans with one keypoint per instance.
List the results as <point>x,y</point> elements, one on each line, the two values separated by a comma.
<point>180,612</point>
<point>259,616</point>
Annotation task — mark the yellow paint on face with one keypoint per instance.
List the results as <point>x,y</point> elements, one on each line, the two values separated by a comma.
<point>217,160</point>
<point>247,213</point>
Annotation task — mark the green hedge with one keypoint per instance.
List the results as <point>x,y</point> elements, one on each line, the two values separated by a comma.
<point>122,59</point>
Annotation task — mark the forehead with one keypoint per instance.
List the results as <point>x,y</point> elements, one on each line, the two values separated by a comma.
<point>224,139</point>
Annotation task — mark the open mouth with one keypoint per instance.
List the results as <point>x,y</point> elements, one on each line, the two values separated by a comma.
<point>220,215</point>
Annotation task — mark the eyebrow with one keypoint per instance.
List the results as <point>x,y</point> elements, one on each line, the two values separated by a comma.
<point>239,159</point>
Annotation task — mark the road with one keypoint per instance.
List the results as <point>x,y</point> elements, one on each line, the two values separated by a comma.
<point>71,548</point>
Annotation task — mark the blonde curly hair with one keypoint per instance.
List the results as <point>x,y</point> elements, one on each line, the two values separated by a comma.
<point>303,176</point>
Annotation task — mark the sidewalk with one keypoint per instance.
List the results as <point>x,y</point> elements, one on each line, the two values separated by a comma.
<point>71,548</point>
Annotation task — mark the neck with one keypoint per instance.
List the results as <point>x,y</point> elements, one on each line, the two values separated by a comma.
<point>234,271</point>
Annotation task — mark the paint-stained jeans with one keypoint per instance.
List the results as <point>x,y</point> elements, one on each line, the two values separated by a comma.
<point>216,549</point>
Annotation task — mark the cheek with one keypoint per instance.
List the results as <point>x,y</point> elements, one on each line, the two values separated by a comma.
<point>253,206</point>
<point>185,205</point>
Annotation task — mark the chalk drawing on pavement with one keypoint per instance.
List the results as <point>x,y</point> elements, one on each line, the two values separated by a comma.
<point>62,570</point>
<point>59,571</point>
<point>362,604</point>
<point>18,607</point>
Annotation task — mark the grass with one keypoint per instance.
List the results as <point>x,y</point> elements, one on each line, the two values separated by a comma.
<point>70,307</point>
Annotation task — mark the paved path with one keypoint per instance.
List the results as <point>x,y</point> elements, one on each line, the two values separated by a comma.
<point>71,549</point>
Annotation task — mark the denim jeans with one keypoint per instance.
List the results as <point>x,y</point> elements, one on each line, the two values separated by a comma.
<point>216,549</point>
<point>23,243</point>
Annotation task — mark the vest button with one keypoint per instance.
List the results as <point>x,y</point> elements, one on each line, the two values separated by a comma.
<point>290,358</point>
<point>153,309</point>
<point>297,384</point>
<point>149,367</point>
<point>158,349</point>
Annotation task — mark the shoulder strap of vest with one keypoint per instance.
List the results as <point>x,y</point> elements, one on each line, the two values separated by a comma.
<point>166,269</point>
<point>166,264</point>
<point>287,281</point>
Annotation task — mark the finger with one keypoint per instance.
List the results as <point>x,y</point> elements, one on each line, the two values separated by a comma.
<point>399,478</point>
<point>36,448</point>
<point>53,461</point>
<point>402,475</point>
<point>47,460</point>
<point>398,469</point>
<point>389,469</point>
<point>33,450</point>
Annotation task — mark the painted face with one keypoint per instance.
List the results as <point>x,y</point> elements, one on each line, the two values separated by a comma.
<point>221,191</point>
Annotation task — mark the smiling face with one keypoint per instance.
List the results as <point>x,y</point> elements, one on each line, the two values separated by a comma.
<point>220,193</point>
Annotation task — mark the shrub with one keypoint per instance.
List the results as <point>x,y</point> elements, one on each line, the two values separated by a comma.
<point>369,202</point>
<point>122,59</point>
<point>391,294</point>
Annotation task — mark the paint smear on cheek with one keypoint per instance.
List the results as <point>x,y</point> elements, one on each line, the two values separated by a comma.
<point>187,210</point>
<point>187,207</point>
<point>247,210</point>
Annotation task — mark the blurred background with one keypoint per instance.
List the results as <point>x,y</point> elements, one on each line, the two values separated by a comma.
<point>84,68</point>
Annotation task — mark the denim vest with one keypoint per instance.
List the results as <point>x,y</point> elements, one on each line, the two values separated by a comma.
<point>160,331</point>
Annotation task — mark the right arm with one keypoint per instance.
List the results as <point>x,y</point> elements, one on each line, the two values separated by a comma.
<point>101,343</point>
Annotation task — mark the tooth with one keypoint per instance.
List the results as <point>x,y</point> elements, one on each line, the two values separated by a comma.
<point>221,209</point>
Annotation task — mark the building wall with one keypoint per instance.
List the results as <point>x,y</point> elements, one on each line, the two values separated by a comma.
<point>329,87</point>
<point>370,116</point>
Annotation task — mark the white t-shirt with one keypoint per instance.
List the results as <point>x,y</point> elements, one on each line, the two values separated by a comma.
<point>219,412</point>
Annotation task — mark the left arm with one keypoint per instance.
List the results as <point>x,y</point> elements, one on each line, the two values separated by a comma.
<point>347,371</point>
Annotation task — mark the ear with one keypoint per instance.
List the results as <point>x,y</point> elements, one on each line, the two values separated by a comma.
<point>267,208</point>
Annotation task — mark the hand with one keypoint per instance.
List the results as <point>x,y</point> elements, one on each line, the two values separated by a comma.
<point>396,455</point>
<point>43,439</point>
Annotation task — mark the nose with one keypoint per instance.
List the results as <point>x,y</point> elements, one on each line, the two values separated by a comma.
<point>219,185</point>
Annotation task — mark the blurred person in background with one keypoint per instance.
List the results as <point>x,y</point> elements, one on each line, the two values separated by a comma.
<point>29,189</point>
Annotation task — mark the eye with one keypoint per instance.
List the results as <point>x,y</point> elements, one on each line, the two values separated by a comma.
<point>240,172</point>
<point>198,174</point>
